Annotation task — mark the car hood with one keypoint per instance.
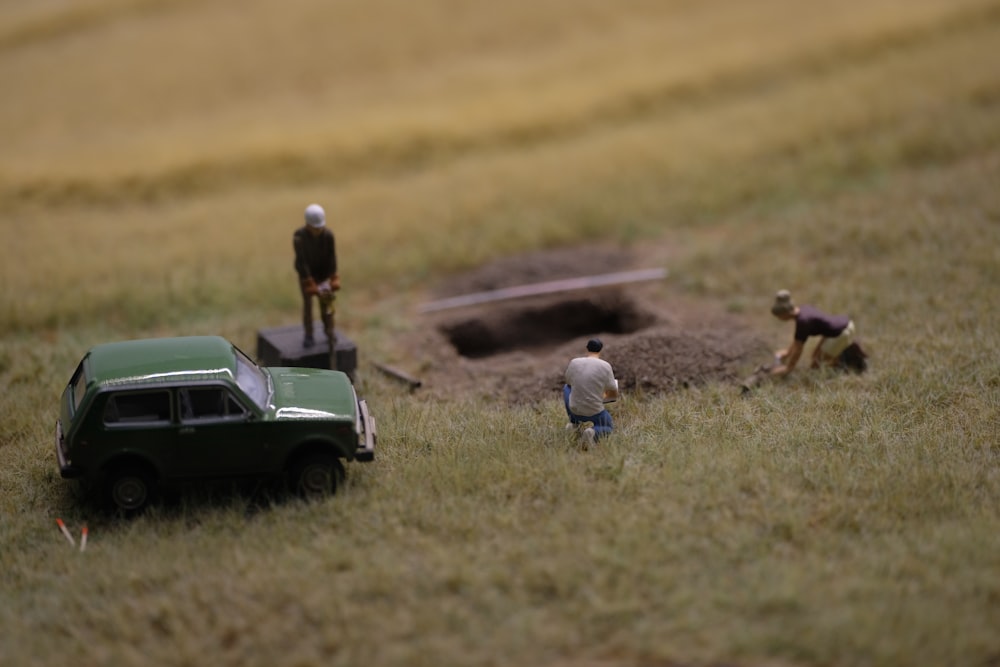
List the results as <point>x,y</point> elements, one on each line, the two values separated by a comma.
<point>312,393</point>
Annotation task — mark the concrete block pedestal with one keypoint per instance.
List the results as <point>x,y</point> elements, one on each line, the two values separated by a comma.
<point>282,346</point>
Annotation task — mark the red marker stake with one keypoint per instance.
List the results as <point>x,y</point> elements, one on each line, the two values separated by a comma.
<point>65,531</point>
<point>83,539</point>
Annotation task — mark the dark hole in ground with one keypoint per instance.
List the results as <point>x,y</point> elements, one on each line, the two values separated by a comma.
<point>556,322</point>
<point>656,339</point>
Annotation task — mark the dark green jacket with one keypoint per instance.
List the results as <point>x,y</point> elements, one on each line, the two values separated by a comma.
<point>315,256</point>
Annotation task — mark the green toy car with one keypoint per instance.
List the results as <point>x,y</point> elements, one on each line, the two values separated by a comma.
<point>141,415</point>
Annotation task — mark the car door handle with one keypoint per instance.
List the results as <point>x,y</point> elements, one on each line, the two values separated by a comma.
<point>187,430</point>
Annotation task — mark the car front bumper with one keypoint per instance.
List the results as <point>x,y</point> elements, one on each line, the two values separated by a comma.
<point>366,448</point>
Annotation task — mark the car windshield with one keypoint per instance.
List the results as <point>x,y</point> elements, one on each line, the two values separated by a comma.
<point>251,379</point>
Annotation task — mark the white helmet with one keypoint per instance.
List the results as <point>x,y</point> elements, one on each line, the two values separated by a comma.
<point>315,216</point>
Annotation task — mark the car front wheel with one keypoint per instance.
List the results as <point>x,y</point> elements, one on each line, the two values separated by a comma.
<point>316,475</point>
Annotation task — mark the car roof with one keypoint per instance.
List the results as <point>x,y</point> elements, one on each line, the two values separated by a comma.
<point>151,360</point>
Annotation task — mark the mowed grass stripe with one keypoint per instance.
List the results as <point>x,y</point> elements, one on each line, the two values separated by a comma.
<point>393,147</point>
<point>39,25</point>
<point>812,138</point>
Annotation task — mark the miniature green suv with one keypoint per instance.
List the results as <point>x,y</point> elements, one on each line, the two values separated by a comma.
<point>141,414</point>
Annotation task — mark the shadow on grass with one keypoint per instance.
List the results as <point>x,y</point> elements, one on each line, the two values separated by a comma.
<point>189,502</point>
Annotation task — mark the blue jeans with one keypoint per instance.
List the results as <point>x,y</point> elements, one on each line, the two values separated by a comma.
<point>602,420</point>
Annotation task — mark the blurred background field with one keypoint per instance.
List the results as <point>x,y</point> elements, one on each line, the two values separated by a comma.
<point>157,155</point>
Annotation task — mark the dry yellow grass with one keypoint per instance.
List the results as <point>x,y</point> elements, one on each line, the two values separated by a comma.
<point>143,88</point>
<point>156,155</point>
<point>666,94</point>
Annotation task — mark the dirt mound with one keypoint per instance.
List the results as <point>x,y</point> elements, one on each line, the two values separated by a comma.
<point>515,351</point>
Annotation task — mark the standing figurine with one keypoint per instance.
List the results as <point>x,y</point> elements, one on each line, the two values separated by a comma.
<point>836,332</point>
<point>316,264</point>
<point>590,383</point>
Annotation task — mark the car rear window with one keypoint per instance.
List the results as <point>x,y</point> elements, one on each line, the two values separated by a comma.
<point>140,407</point>
<point>79,383</point>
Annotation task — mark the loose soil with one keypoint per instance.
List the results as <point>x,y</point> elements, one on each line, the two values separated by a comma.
<point>515,351</point>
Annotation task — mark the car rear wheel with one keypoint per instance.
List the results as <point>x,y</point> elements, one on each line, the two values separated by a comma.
<point>316,475</point>
<point>130,488</point>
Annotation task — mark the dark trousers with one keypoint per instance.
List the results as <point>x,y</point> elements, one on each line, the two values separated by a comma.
<point>307,315</point>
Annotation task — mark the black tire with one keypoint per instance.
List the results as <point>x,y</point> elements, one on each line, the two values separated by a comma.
<point>130,488</point>
<point>316,475</point>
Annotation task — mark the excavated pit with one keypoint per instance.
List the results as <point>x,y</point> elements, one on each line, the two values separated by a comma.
<point>656,339</point>
<point>543,326</point>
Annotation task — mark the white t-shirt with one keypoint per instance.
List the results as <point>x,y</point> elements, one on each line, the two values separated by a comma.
<point>589,378</point>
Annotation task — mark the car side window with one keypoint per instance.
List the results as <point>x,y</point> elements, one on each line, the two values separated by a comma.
<point>208,403</point>
<point>233,407</point>
<point>142,407</point>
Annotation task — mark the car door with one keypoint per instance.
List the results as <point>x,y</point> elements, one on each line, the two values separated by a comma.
<point>217,435</point>
<point>136,422</point>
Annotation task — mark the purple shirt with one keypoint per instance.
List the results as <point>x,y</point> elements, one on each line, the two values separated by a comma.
<point>813,322</point>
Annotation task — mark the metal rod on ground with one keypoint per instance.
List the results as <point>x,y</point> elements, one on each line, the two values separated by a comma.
<point>551,287</point>
<point>397,374</point>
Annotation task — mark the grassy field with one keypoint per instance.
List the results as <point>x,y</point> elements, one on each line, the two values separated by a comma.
<point>157,155</point>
